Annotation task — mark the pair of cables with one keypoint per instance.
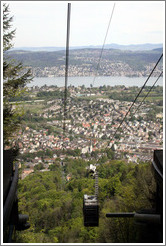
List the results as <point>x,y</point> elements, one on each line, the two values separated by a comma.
<point>139,95</point>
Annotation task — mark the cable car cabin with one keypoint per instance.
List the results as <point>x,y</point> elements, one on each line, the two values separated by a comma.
<point>91,210</point>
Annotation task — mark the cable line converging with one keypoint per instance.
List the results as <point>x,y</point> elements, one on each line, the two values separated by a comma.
<point>137,96</point>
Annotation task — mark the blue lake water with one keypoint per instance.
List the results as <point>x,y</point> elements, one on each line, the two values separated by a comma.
<point>99,81</point>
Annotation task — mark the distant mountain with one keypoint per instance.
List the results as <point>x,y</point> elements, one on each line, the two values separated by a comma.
<point>132,47</point>
<point>158,50</point>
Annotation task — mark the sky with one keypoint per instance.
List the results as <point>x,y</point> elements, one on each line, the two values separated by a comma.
<point>44,23</point>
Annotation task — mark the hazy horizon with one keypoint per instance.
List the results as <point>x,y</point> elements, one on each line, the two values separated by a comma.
<point>43,23</point>
<point>93,45</point>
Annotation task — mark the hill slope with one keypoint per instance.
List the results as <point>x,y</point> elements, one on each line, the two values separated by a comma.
<point>84,56</point>
<point>83,62</point>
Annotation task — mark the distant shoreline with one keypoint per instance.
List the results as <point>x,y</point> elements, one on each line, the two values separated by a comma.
<point>99,81</point>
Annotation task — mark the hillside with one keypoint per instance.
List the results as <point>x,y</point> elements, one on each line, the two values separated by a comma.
<point>83,62</point>
<point>55,205</point>
<point>84,56</point>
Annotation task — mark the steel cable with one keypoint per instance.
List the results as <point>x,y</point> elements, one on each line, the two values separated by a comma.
<point>137,96</point>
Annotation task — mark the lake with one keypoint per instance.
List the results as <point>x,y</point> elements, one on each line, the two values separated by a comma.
<point>99,81</point>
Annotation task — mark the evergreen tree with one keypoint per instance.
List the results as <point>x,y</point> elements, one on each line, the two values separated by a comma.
<point>15,77</point>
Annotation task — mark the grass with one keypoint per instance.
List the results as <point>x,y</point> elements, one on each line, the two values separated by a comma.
<point>33,107</point>
<point>152,99</point>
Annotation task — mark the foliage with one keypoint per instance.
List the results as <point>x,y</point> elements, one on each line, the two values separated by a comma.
<point>55,205</point>
<point>55,94</point>
<point>135,59</point>
<point>38,166</point>
<point>129,95</point>
<point>14,80</point>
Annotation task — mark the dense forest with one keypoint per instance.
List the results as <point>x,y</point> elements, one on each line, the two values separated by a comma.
<point>55,204</point>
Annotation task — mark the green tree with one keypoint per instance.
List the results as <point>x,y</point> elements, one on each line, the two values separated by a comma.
<point>15,77</point>
<point>39,166</point>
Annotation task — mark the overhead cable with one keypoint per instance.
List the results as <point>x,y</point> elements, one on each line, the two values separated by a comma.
<point>66,67</point>
<point>137,95</point>
<point>148,92</point>
<point>103,45</point>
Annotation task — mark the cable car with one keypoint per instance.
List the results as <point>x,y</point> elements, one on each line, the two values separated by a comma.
<point>91,210</point>
<point>91,206</point>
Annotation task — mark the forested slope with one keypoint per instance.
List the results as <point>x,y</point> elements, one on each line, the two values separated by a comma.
<point>55,205</point>
<point>87,57</point>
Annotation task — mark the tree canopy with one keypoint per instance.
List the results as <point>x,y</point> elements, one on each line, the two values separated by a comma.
<point>15,78</point>
<point>55,204</point>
